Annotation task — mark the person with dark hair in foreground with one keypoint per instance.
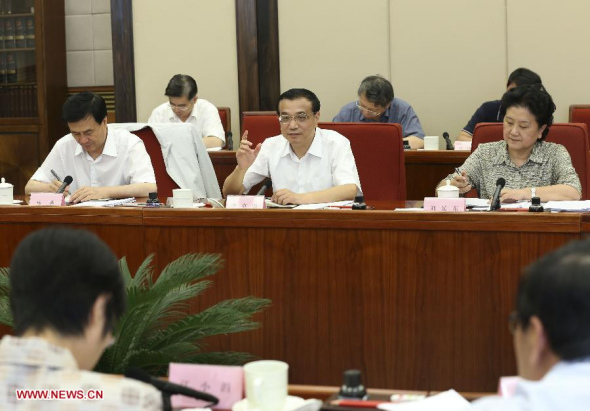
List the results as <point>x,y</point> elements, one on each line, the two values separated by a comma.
<point>491,111</point>
<point>530,166</point>
<point>377,104</point>
<point>104,162</point>
<point>307,164</point>
<point>184,106</point>
<point>551,327</point>
<point>66,294</point>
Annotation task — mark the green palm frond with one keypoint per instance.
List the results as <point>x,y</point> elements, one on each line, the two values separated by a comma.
<point>157,328</point>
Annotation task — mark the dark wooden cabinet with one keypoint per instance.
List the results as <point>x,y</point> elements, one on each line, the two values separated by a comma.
<point>33,84</point>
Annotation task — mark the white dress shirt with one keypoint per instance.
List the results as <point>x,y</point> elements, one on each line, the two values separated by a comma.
<point>205,117</point>
<point>328,163</point>
<point>123,161</point>
<point>186,159</point>
<point>566,387</point>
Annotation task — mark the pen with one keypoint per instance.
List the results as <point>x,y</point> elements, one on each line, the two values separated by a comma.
<point>55,175</point>
<point>458,171</point>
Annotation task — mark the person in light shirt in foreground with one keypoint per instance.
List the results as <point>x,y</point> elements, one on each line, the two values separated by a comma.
<point>66,293</point>
<point>530,166</point>
<point>307,164</point>
<point>551,327</point>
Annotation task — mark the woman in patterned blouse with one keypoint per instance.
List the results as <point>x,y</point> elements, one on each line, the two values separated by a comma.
<point>530,166</point>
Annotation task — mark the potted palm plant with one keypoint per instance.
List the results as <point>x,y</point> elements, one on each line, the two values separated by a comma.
<point>156,328</point>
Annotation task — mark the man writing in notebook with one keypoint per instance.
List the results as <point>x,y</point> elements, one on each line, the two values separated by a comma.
<point>103,162</point>
<point>306,164</point>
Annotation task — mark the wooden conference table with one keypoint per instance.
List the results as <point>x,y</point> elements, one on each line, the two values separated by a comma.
<point>417,301</point>
<point>424,169</point>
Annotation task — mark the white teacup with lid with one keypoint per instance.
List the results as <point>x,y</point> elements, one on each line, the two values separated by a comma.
<point>6,192</point>
<point>448,191</point>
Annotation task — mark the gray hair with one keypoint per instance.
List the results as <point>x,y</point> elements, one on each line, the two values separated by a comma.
<point>377,90</point>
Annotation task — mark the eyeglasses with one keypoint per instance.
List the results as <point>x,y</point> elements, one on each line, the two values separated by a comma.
<point>181,107</point>
<point>512,322</point>
<point>366,110</point>
<point>299,118</point>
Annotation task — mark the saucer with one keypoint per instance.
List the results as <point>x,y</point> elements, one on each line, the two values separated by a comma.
<point>291,404</point>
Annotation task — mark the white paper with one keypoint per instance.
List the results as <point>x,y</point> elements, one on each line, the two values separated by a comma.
<point>568,205</point>
<point>214,149</point>
<point>413,210</point>
<point>105,203</point>
<point>477,202</point>
<point>319,206</point>
<point>449,400</point>
<point>516,206</point>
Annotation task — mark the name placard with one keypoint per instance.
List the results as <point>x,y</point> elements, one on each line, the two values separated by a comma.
<point>224,382</point>
<point>245,202</point>
<point>47,199</point>
<point>462,145</point>
<point>445,204</point>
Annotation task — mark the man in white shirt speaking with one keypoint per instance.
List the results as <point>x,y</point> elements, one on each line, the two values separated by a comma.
<point>306,164</point>
<point>103,162</point>
<point>551,326</point>
<point>184,106</point>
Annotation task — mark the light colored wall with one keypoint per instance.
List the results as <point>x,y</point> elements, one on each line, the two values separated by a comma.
<point>552,37</point>
<point>444,57</point>
<point>191,37</point>
<point>329,46</point>
<point>89,43</point>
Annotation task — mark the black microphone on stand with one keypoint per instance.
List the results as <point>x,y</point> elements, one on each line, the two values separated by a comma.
<point>267,184</point>
<point>169,388</point>
<point>495,203</point>
<point>67,181</point>
<point>448,141</point>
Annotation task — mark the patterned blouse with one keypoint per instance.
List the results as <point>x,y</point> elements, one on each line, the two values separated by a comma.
<point>549,164</point>
<point>40,368</point>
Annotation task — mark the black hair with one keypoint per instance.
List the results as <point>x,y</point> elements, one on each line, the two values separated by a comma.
<point>295,93</point>
<point>535,98</point>
<point>182,85</point>
<point>522,76</point>
<point>377,90</point>
<point>81,105</point>
<point>56,275</point>
<point>556,289</point>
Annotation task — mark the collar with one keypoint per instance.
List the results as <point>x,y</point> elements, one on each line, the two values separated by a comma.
<point>35,352</point>
<point>502,156</point>
<point>315,149</point>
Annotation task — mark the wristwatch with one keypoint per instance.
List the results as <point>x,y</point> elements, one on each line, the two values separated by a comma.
<point>533,192</point>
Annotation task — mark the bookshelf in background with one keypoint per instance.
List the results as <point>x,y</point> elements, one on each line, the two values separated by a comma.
<point>33,84</point>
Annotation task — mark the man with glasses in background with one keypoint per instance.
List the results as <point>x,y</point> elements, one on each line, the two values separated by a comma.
<point>551,327</point>
<point>376,103</point>
<point>306,164</point>
<point>185,107</point>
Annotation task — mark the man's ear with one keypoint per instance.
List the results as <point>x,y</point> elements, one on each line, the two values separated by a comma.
<point>97,313</point>
<point>539,345</point>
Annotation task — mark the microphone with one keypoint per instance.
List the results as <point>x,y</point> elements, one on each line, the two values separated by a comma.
<point>448,141</point>
<point>67,181</point>
<point>495,204</point>
<point>169,388</point>
<point>267,184</point>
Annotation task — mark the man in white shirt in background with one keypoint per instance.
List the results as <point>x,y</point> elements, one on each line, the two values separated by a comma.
<point>102,161</point>
<point>184,106</point>
<point>551,327</point>
<point>306,164</point>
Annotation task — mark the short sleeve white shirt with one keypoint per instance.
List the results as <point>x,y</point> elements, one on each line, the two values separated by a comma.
<point>205,117</point>
<point>328,163</point>
<point>124,160</point>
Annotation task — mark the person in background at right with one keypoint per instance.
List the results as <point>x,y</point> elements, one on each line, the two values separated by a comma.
<point>551,328</point>
<point>490,111</point>
<point>530,166</point>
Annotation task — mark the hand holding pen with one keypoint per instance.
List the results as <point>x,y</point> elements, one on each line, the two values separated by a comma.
<point>56,185</point>
<point>461,181</point>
